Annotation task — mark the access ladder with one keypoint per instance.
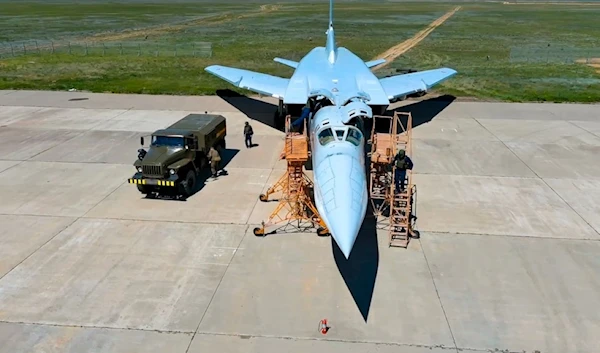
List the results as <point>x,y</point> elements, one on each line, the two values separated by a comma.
<point>384,146</point>
<point>295,204</point>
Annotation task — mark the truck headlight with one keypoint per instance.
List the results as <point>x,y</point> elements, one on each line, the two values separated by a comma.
<point>171,171</point>
<point>139,169</point>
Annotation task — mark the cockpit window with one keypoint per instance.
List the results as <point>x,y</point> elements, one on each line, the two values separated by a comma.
<point>325,137</point>
<point>340,134</point>
<point>354,136</point>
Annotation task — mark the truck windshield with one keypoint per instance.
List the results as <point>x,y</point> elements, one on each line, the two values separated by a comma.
<point>175,141</point>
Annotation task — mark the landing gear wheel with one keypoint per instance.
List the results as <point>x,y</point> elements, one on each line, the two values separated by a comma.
<point>187,186</point>
<point>322,232</point>
<point>263,197</point>
<point>259,232</point>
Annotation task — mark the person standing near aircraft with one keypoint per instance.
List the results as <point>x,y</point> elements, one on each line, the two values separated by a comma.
<point>215,159</point>
<point>402,162</point>
<point>248,132</point>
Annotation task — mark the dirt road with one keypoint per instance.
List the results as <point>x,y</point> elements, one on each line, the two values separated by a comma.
<point>593,62</point>
<point>160,29</point>
<point>405,46</point>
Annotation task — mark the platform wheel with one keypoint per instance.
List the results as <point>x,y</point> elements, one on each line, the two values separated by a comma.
<point>322,232</point>
<point>259,232</point>
<point>415,234</point>
<point>263,197</point>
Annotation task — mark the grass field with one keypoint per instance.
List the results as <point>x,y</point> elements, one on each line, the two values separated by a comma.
<point>502,52</point>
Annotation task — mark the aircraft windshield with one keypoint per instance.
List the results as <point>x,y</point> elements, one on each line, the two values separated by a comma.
<point>354,136</point>
<point>326,136</point>
<point>175,141</point>
<point>340,134</point>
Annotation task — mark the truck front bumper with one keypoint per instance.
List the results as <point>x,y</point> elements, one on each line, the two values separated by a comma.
<point>139,179</point>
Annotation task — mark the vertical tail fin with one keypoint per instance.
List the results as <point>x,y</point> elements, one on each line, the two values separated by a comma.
<point>330,45</point>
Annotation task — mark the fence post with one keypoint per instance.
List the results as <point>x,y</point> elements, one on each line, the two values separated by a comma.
<point>139,49</point>
<point>24,49</point>
<point>37,47</point>
<point>12,50</point>
<point>103,49</point>
<point>86,49</point>
<point>52,43</point>
<point>121,49</point>
<point>175,53</point>
<point>69,47</point>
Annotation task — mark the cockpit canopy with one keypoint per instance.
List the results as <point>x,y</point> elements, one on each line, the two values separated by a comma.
<point>345,133</point>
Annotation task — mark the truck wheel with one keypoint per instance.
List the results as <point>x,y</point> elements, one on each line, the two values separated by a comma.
<point>143,189</point>
<point>187,186</point>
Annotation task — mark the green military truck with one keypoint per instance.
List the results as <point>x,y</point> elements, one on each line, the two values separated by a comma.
<point>178,154</point>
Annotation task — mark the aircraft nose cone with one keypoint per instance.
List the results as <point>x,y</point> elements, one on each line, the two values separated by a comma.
<point>342,182</point>
<point>344,226</point>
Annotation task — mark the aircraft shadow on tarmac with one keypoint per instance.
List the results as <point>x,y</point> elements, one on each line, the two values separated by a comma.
<point>255,109</point>
<point>226,157</point>
<point>359,271</point>
<point>422,111</point>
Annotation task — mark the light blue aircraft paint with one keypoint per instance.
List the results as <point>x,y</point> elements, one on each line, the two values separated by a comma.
<point>342,92</point>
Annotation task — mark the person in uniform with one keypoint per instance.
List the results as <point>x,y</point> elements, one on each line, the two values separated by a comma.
<point>215,160</point>
<point>248,132</point>
<point>402,163</point>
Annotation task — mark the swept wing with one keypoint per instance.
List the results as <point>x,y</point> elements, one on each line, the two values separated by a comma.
<point>254,81</point>
<point>402,85</point>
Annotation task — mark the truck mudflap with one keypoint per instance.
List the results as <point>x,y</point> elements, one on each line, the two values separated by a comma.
<point>138,179</point>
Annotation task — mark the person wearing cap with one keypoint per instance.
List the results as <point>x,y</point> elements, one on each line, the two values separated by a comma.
<point>402,163</point>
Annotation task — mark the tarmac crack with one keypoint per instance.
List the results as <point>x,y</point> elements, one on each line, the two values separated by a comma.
<point>543,180</point>
<point>41,246</point>
<point>438,295</point>
<point>399,49</point>
<point>508,235</point>
<point>216,289</point>
<point>582,128</point>
<point>95,327</point>
<point>155,220</point>
<point>393,344</point>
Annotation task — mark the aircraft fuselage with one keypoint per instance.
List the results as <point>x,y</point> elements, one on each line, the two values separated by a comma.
<point>338,158</point>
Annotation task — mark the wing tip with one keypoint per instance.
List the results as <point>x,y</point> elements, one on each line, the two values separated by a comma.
<point>212,68</point>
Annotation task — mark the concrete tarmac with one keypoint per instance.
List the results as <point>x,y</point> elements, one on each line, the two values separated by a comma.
<point>507,260</point>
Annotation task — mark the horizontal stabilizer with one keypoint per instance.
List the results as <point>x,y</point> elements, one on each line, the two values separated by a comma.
<point>402,85</point>
<point>254,81</point>
<point>372,63</point>
<point>287,62</point>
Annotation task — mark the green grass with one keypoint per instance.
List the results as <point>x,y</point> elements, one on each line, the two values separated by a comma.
<point>464,43</point>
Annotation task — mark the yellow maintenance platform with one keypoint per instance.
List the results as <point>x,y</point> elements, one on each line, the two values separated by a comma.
<point>295,207</point>
<point>384,146</point>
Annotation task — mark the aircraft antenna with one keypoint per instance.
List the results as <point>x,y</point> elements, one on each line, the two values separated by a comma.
<point>330,13</point>
<point>330,44</point>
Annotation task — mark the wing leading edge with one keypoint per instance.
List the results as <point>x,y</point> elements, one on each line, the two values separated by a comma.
<point>254,81</point>
<point>402,85</point>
